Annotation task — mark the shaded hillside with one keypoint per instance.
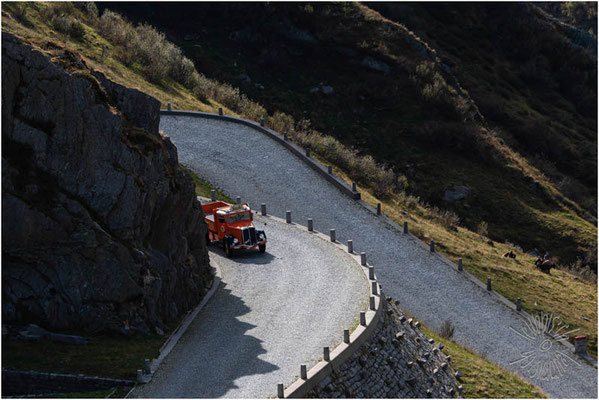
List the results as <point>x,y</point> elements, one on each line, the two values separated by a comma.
<point>529,79</point>
<point>101,231</point>
<point>393,98</point>
<point>582,14</point>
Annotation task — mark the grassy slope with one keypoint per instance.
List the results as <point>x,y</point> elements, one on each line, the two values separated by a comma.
<point>483,379</point>
<point>477,254</point>
<point>104,356</point>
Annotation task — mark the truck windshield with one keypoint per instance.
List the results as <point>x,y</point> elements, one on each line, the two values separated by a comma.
<point>238,217</point>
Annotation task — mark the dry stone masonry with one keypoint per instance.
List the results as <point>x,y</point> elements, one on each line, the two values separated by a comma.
<point>101,230</point>
<point>399,361</point>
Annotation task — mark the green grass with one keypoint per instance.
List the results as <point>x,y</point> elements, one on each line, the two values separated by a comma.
<point>203,188</point>
<point>482,378</point>
<point>105,356</point>
<point>112,393</point>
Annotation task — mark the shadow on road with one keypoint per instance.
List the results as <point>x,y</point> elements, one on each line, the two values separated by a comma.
<point>246,256</point>
<point>214,354</point>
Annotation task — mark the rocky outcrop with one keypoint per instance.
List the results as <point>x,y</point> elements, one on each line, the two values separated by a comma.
<point>101,230</point>
<point>398,361</point>
<point>456,193</point>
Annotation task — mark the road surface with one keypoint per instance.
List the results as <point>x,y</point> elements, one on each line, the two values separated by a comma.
<point>244,162</point>
<point>273,312</point>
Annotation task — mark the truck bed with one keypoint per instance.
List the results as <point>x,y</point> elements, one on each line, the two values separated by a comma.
<point>209,208</point>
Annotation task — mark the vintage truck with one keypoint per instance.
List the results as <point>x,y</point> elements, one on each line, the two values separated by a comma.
<point>233,227</point>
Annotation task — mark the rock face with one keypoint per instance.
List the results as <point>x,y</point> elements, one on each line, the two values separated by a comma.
<point>101,230</point>
<point>398,361</point>
<point>456,193</point>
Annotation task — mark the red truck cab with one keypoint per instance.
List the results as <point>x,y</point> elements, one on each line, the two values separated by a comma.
<point>233,227</point>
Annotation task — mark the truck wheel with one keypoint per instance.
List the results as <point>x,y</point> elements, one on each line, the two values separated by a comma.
<point>228,250</point>
<point>262,248</point>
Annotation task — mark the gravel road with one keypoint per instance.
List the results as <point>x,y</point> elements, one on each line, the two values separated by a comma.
<point>273,312</point>
<point>244,162</point>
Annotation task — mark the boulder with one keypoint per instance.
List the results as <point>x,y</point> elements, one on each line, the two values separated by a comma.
<point>456,193</point>
<point>376,65</point>
<point>326,89</point>
<point>100,229</point>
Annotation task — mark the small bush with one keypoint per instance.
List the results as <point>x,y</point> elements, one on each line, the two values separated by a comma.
<point>228,96</point>
<point>281,122</point>
<point>447,330</point>
<point>69,26</point>
<point>482,229</point>
<point>250,109</point>
<point>20,10</point>
<point>88,7</point>
<point>448,219</point>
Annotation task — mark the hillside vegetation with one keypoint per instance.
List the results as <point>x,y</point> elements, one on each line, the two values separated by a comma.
<point>416,128</point>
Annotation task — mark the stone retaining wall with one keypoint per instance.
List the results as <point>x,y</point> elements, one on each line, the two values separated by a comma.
<point>398,361</point>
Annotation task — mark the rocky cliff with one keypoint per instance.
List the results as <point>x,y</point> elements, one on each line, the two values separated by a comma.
<point>100,228</point>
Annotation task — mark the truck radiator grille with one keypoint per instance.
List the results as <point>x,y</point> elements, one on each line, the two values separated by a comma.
<point>249,236</point>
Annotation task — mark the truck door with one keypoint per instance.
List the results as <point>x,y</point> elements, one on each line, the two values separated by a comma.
<point>220,226</point>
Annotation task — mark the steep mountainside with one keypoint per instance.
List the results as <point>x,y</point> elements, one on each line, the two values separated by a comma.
<point>484,115</point>
<point>100,228</point>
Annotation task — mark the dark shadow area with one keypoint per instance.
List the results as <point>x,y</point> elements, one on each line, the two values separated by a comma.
<point>214,353</point>
<point>246,256</point>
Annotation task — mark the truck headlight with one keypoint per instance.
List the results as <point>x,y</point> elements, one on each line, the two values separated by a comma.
<point>235,241</point>
<point>261,236</point>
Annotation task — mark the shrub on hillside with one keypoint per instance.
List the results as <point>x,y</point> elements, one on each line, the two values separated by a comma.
<point>69,26</point>
<point>88,7</point>
<point>158,58</point>
<point>447,218</point>
<point>482,228</point>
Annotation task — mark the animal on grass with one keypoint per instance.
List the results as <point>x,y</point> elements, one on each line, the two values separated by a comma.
<point>510,254</point>
<point>544,265</point>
